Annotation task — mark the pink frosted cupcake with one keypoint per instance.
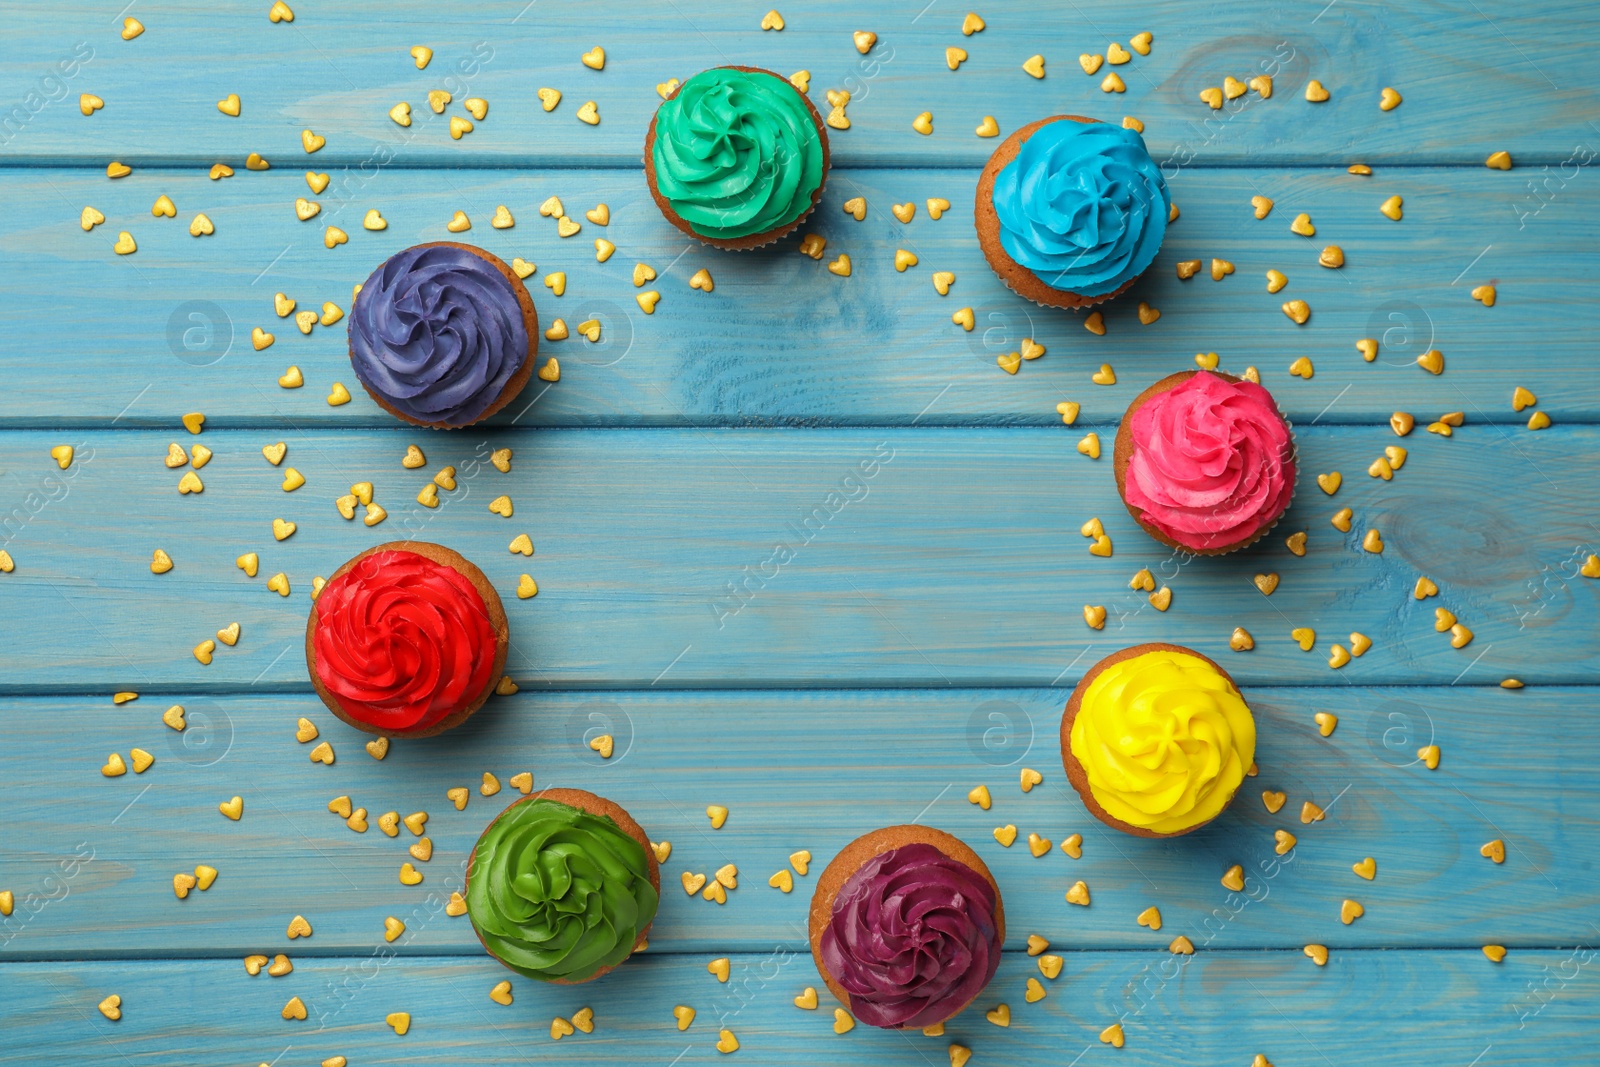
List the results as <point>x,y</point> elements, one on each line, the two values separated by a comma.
<point>1205,462</point>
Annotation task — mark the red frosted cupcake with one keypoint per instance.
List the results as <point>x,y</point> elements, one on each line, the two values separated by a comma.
<point>1205,462</point>
<point>407,639</point>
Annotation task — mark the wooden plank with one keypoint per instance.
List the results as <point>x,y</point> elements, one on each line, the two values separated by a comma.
<point>957,562</point>
<point>167,330</point>
<point>1474,81</point>
<point>802,770</point>
<point>1425,1008</point>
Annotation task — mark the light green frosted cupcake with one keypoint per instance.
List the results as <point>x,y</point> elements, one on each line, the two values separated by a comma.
<point>562,886</point>
<point>736,157</point>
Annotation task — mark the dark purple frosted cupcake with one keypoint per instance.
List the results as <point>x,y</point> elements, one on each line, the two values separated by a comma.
<point>443,335</point>
<point>906,927</point>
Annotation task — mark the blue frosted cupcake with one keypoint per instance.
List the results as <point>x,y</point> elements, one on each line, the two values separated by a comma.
<point>1071,211</point>
<point>443,335</point>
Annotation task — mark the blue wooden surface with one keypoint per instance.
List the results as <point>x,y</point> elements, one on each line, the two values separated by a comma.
<point>925,636</point>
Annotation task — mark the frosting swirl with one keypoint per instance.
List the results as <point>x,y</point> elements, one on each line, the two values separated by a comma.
<point>557,893</point>
<point>437,331</point>
<point>1082,206</point>
<point>1164,739</point>
<point>402,641</point>
<point>912,937</point>
<point>1212,462</point>
<point>737,153</point>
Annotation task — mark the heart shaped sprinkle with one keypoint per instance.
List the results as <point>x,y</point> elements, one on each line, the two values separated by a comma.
<point>1006,834</point>
<point>1367,868</point>
<point>1073,846</point>
<point>979,795</point>
<point>1079,894</point>
<point>1350,911</point>
<point>1150,917</point>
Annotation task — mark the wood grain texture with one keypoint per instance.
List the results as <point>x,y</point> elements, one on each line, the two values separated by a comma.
<point>803,771</point>
<point>167,330</point>
<point>857,557</point>
<point>1437,1009</point>
<point>1476,79</point>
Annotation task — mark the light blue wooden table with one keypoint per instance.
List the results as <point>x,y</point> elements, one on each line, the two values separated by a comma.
<point>928,629</point>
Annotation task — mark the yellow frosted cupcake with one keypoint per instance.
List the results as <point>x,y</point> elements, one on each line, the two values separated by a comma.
<point>1156,739</point>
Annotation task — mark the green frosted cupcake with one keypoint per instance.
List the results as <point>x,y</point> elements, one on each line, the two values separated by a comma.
<point>736,157</point>
<point>562,886</point>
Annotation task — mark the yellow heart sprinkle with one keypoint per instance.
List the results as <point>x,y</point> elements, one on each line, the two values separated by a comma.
<point>549,98</point>
<point>1315,91</point>
<point>459,223</point>
<point>501,993</point>
<point>131,28</point>
<point>298,927</point>
<point>521,267</point>
<point>164,207</point>
<point>1285,841</point>
<point>1326,721</point>
<point>1341,520</point>
<point>173,717</point>
<point>1104,376</point>
<point>1037,845</point>
<point>1310,813</point>
<point>903,260</point>
<point>378,747</point>
<point>685,1016</point>
<point>1494,850</point>
<point>988,127</point>
<point>1233,878</point>
<point>1000,1015</point>
<point>89,218</point>
<point>595,58</point>
<point>118,170</point>
<point>923,123</point>
<point>1388,100</point>
<point>229,635</point>
<point>316,182</point>
<point>254,161</point>
<point>1079,894</point>
<point>589,113</point>
<point>1372,541</point>
<point>233,809</point>
<point>279,12</point>
<point>459,127</point>
<point>338,395</point>
<point>702,280</point>
<point>662,849</point>
<point>1275,281</point>
<point>125,244</point>
<point>556,282</point>
<point>1331,257</point>
<point>1304,637</point>
<point>1147,314</point>
<point>1350,911</point>
<point>1367,868</point>
<point>323,754</point>
<point>1212,97</point>
<point>527,587</point>
<point>1393,208</point>
<point>717,814</point>
<point>954,57</point>
<point>1094,614</point>
<point>1498,161</point>
<point>772,21</point>
<point>1318,954</point>
<point>782,881</point>
<point>836,119</point>
<point>190,483</point>
<point>1034,65</point>
<point>1299,311</point>
<point>1538,421</point>
<point>373,220</point>
<point>398,1021</point>
<point>422,850</point>
<point>1112,84</point>
<point>1150,917</point>
<point>409,875</point>
<point>840,266</point>
<point>692,882</point>
<point>311,142</point>
<point>720,968</point>
<point>334,236</point>
<point>422,55</point>
<point>842,1021</point>
<point>864,40</point>
<point>1090,446</point>
<point>375,514</point>
<point>1089,63</point>
<point>253,965</point>
<point>305,209</point>
<point>477,107</point>
<point>1116,55</point>
<point>979,795</point>
<point>726,1042</point>
<point>401,114</point>
<point>647,301</point>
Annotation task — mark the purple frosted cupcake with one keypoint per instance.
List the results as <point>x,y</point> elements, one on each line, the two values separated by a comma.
<point>906,927</point>
<point>443,335</point>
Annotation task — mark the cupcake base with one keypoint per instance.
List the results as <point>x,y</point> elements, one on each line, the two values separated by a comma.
<point>1075,772</point>
<point>1122,455</point>
<point>755,240</point>
<point>584,801</point>
<point>854,855</point>
<point>497,621</point>
<point>519,380</point>
<point>1020,279</point>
